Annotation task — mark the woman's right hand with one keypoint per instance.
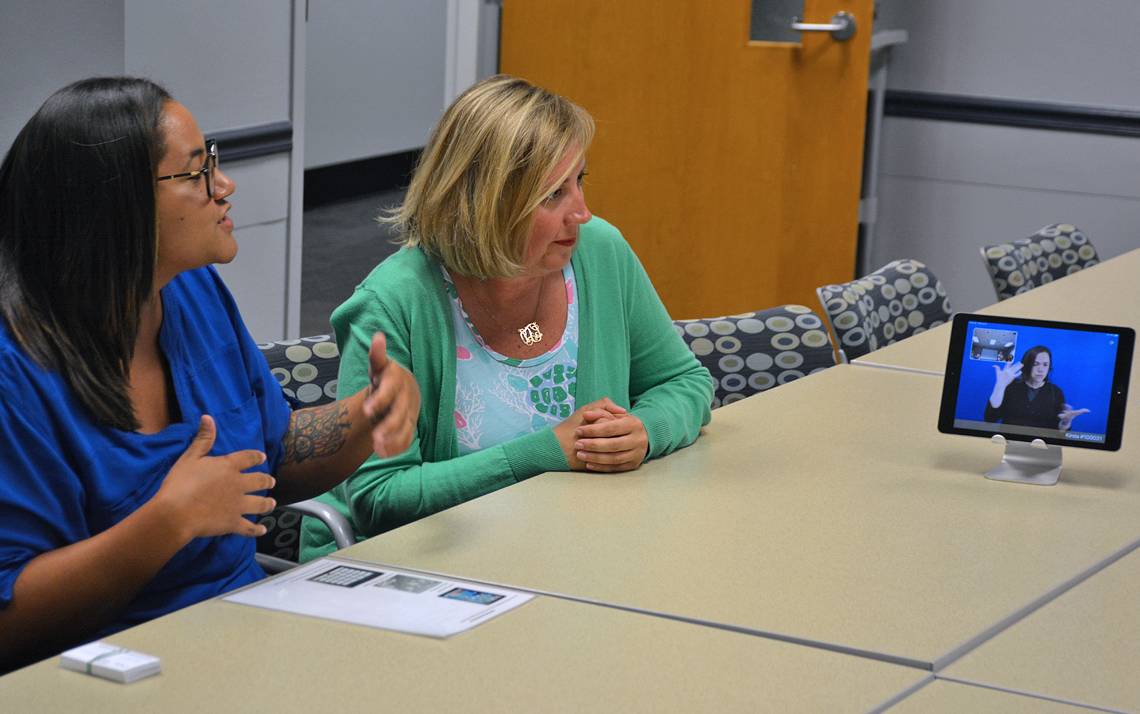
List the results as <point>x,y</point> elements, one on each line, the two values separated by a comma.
<point>1004,376</point>
<point>207,495</point>
<point>599,410</point>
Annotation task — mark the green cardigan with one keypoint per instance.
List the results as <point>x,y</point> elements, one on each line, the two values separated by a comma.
<point>628,350</point>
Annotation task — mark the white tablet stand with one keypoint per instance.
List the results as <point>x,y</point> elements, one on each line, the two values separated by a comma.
<point>1036,462</point>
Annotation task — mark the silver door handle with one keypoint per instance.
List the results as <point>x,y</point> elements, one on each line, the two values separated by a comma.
<point>841,27</point>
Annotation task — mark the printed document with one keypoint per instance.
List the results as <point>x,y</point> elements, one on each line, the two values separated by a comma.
<point>379,596</point>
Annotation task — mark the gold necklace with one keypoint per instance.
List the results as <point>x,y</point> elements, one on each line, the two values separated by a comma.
<point>530,333</point>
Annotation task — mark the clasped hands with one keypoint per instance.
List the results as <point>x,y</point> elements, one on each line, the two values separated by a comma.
<point>604,437</point>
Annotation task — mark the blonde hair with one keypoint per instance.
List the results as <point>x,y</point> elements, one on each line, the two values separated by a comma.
<point>485,170</point>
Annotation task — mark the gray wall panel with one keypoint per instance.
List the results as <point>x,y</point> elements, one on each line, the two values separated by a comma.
<point>947,188</point>
<point>1043,50</point>
<point>946,222</point>
<point>374,77</point>
<point>1009,156</point>
<point>256,278</point>
<point>231,65</point>
<point>228,62</point>
<point>262,192</point>
<point>47,44</point>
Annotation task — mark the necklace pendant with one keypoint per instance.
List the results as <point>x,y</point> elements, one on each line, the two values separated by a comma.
<point>530,334</point>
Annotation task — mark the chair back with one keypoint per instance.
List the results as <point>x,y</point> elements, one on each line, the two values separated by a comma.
<point>306,369</point>
<point>1053,252</point>
<point>900,299</point>
<point>755,351</point>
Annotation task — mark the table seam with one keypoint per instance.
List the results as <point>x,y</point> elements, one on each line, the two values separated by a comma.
<point>1034,605</point>
<point>885,657</point>
<point>1027,693</point>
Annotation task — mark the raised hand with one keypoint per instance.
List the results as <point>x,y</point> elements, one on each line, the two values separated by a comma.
<point>1067,415</point>
<point>1003,376</point>
<point>393,401</point>
<point>210,495</point>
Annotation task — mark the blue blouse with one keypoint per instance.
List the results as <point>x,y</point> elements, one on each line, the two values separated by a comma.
<point>65,478</point>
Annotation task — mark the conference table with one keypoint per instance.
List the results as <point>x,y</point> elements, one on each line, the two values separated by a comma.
<point>1083,646</point>
<point>831,513</point>
<point>549,655</point>
<point>828,511</point>
<point>820,548</point>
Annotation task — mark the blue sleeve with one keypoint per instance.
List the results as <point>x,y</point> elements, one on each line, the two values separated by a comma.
<point>42,502</point>
<point>275,408</point>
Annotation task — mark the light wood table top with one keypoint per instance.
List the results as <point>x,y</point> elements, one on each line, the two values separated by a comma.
<point>940,697</point>
<point>829,509</point>
<point>1081,647</point>
<point>550,655</point>
<point>1105,294</point>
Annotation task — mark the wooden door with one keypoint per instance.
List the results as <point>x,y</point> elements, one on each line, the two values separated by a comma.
<point>732,167</point>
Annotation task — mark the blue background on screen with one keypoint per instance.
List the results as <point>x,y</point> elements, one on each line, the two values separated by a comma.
<point>1082,367</point>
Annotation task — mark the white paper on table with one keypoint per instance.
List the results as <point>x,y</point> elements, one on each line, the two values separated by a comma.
<point>379,596</point>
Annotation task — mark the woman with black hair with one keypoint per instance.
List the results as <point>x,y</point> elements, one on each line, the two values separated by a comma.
<point>140,427</point>
<point>1024,396</point>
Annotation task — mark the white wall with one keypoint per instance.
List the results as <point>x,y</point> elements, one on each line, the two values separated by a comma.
<point>947,188</point>
<point>375,77</point>
<point>47,44</point>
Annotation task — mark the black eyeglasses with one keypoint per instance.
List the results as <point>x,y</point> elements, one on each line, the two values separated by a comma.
<point>207,170</point>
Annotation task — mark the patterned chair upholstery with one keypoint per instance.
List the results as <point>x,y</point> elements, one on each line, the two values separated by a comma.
<point>755,351</point>
<point>306,369</point>
<point>900,299</point>
<point>1053,252</point>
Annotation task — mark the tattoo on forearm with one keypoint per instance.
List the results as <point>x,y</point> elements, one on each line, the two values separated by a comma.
<point>316,432</point>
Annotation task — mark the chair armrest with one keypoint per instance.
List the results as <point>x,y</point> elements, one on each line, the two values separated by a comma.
<point>342,531</point>
<point>273,565</point>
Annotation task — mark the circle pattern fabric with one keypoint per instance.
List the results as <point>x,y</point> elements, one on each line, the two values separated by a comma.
<point>1053,252</point>
<point>755,351</point>
<point>306,369</point>
<point>901,299</point>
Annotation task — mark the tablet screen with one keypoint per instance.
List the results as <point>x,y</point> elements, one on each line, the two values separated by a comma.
<point>1064,383</point>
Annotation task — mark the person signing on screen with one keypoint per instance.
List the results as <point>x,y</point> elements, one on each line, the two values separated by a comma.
<point>1024,396</point>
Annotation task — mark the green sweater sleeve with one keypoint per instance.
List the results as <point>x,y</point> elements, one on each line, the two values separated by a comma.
<point>671,392</point>
<point>387,493</point>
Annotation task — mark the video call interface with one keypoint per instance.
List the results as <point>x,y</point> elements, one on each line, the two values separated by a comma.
<point>1062,390</point>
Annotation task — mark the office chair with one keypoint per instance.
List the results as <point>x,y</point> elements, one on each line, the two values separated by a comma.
<point>755,351</point>
<point>306,369</point>
<point>900,299</point>
<point>1053,252</point>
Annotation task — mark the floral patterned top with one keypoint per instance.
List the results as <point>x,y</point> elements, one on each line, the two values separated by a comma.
<point>499,398</point>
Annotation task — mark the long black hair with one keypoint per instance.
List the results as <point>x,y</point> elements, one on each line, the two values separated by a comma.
<point>78,235</point>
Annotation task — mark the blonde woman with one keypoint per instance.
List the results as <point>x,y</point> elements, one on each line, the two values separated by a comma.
<point>534,333</point>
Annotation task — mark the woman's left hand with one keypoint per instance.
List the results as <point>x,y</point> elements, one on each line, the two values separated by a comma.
<point>393,401</point>
<point>611,442</point>
<point>1066,417</point>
